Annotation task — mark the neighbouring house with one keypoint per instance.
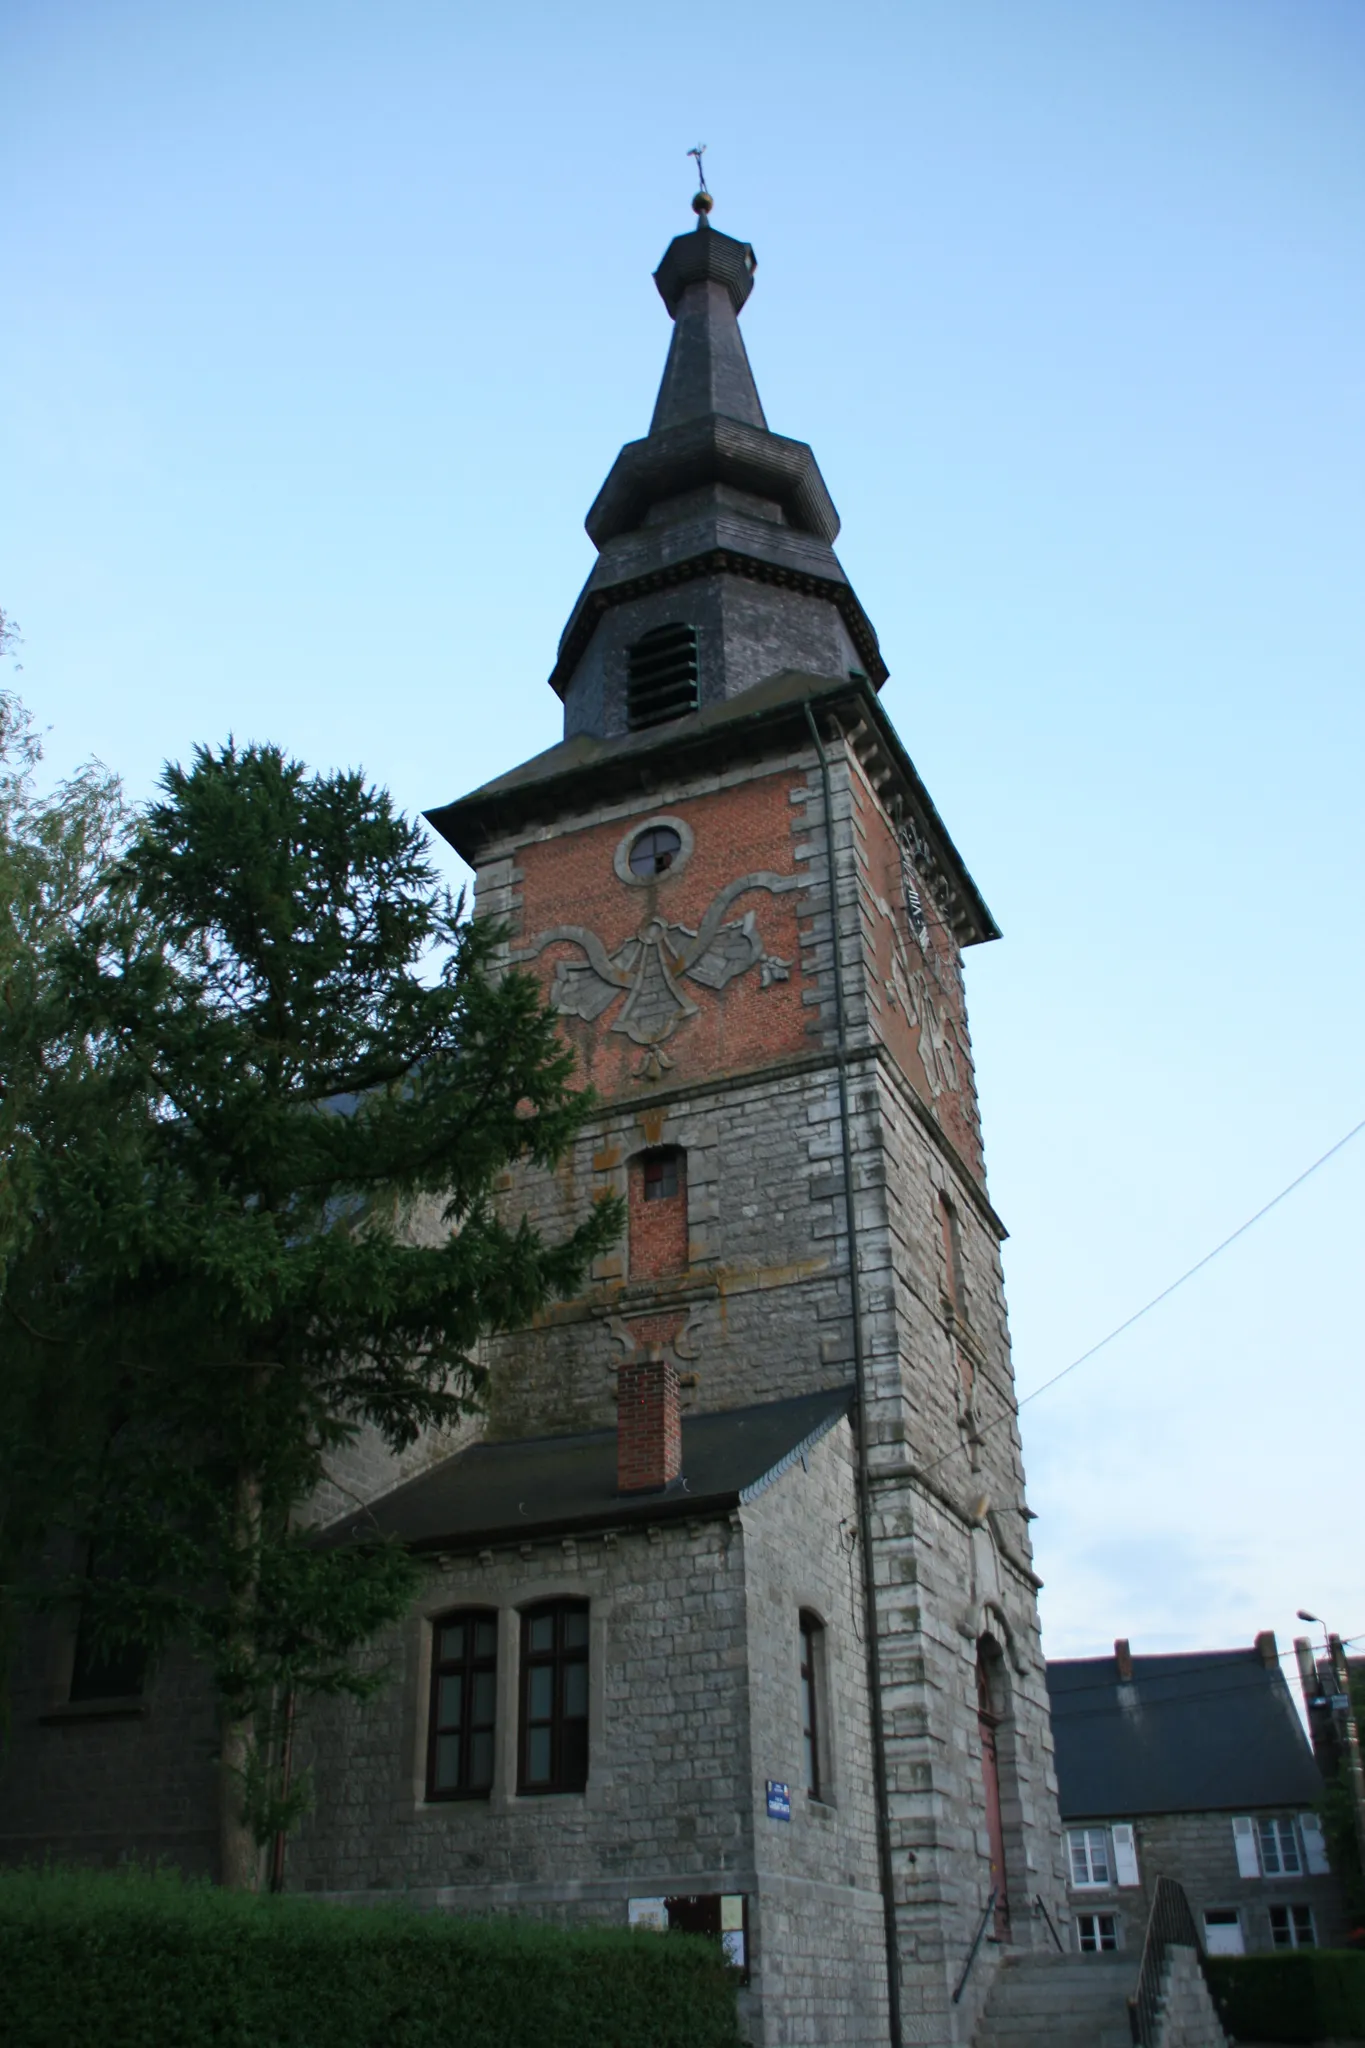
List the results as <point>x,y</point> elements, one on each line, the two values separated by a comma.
<point>1194,1767</point>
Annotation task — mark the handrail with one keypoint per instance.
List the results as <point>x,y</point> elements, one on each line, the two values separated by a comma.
<point>1169,1924</point>
<point>1038,1902</point>
<point>976,1943</point>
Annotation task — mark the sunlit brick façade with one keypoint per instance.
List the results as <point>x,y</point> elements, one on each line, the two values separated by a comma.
<point>775,1488</point>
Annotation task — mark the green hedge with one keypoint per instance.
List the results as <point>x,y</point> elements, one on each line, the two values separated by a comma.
<point>1305,1994</point>
<point>145,1961</point>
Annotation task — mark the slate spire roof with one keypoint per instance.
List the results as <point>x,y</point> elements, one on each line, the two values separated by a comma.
<point>704,281</point>
<point>711,491</point>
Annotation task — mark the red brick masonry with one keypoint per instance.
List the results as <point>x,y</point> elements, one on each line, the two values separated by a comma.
<point>648,1425</point>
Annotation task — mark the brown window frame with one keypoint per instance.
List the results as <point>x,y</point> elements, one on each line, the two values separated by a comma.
<point>469,1666</point>
<point>661,1173</point>
<point>812,1653</point>
<point>568,1733</point>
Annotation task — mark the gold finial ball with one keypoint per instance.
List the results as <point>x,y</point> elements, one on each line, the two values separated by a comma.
<point>702,202</point>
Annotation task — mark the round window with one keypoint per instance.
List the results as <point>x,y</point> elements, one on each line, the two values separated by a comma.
<point>654,851</point>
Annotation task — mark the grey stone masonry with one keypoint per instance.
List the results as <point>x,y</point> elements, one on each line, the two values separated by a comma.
<point>1199,1851</point>
<point>693,1707</point>
<point>1188,2017</point>
<point>1044,2000</point>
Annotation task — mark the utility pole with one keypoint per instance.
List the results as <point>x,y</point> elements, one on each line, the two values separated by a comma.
<point>1341,1704</point>
<point>1343,1715</point>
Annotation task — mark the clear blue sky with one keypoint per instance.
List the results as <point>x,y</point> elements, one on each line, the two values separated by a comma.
<point>323,324</point>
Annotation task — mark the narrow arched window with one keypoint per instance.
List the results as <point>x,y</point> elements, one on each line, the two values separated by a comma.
<point>464,1688</point>
<point>812,1659</point>
<point>661,676</point>
<point>953,1277</point>
<point>554,1697</point>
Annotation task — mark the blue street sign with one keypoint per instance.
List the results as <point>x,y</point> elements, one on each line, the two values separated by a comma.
<point>779,1801</point>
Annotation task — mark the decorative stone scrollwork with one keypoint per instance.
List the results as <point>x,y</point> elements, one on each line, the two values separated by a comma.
<point>649,969</point>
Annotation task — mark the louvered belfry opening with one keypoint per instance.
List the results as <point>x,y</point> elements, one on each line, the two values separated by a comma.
<point>662,679</point>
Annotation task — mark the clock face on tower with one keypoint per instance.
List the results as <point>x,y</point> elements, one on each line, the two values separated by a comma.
<point>668,943</point>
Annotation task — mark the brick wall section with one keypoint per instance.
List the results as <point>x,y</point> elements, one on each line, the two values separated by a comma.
<point>1196,1849</point>
<point>648,1425</point>
<point>566,875</point>
<point>657,1228</point>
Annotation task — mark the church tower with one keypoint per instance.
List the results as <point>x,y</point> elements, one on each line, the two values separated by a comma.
<point>732,1620</point>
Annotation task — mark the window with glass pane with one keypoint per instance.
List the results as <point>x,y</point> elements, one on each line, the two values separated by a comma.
<point>1098,1932</point>
<point>661,1175</point>
<point>554,1697</point>
<point>1292,1927</point>
<point>1091,1860</point>
<point>811,1633</point>
<point>1279,1849</point>
<point>464,1688</point>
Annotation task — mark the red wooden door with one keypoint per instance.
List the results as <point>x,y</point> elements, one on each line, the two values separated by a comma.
<point>990,1771</point>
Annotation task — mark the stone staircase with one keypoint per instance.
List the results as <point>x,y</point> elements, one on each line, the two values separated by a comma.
<point>1046,2000</point>
<point>1041,2000</point>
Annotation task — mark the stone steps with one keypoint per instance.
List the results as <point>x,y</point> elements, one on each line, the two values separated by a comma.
<point>1057,2001</point>
<point>1067,2001</point>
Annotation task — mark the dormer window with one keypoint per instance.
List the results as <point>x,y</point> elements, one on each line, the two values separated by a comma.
<point>661,677</point>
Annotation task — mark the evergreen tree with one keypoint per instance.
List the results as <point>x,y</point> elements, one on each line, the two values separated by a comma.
<point>53,851</point>
<point>279,1228</point>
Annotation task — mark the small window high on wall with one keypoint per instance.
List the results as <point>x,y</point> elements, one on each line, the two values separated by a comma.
<point>661,677</point>
<point>812,1654</point>
<point>658,1212</point>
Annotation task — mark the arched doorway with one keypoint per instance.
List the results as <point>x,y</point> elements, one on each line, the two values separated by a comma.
<point>990,1712</point>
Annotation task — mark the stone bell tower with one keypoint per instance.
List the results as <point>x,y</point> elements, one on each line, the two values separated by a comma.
<point>737,894</point>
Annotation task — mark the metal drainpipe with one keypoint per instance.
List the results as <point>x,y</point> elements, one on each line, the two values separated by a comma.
<point>874,1655</point>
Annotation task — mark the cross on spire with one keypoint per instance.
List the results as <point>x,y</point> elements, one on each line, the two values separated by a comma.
<point>701,198</point>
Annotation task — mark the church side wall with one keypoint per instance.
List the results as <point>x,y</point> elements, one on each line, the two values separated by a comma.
<point>820,1949</point>
<point>113,1784</point>
<point>668,1803</point>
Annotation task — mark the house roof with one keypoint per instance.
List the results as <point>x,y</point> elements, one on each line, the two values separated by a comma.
<point>1212,1731</point>
<point>555,1484</point>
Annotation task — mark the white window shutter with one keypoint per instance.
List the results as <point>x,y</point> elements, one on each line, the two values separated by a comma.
<point>1244,1842</point>
<point>1314,1847</point>
<point>1125,1854</point>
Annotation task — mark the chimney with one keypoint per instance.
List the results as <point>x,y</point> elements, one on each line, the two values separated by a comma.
<point>1269,1648</point>
<point>1123,1657</point>
<point>648,1425</point>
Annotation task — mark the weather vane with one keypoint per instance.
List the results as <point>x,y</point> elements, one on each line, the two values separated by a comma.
<point>701,199</point>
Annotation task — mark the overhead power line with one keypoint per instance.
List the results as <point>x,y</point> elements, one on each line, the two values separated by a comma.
<point>1198,1265</point>
<point>1157,1299</point>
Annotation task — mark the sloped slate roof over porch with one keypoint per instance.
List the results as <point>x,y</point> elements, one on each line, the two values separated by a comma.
<point>554,1484</point>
